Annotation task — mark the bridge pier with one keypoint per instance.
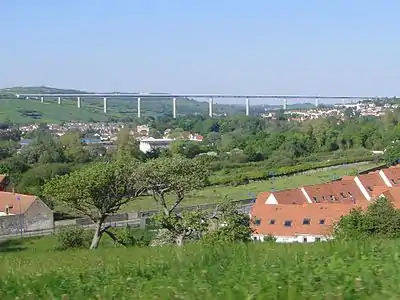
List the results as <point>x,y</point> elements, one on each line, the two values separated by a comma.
<point>210,107</point>
<point>316,102</point>
<point>41,99</point>
<point>59,100</point>
<point>105,105</point>
<point>174,108</point>
<point>138,108</point>
<point>285,104</point>
<point>79,102</point>
<point>247,107</point>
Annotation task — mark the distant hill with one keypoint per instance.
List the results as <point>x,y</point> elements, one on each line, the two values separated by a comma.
<point>20,110</point>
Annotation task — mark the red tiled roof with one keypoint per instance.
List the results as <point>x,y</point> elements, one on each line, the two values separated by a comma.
<point>18,206</point>
<point>293,196</point>
<point>315,218</point>
<point>393,174</point>
<point>392,194</point>
<point>342,191</point>
<point>371,181</point>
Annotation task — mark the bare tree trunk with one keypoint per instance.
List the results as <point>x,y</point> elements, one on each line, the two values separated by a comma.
<point>97,236</point>
<point>179,240</point>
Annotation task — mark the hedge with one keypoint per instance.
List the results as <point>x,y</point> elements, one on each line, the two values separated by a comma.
<point>244,178</point>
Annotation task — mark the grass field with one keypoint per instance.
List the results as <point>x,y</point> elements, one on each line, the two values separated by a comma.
<point>216,194</point>
<point>354,270</point>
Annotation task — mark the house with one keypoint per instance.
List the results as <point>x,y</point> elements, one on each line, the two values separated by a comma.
<point>304,223</point>
<point>24,213</point>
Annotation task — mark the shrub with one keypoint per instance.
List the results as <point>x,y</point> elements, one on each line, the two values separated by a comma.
<point>72,237</point>
<point>135,237</point>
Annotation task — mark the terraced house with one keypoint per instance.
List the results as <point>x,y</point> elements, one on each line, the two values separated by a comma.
<point>308,213</point>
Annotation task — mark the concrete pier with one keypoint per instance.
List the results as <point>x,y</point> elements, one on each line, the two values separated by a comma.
<point>138,108</point>
<point>210,107</point>
<point>105,105</point>
<point>174,108</point>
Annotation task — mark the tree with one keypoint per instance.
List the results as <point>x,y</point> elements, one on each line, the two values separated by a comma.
<point>228,225</point>
<point>127,145</point>
<point>392,154</point>
<point>380,220</point>
<point>73,148</point>
<point>96,191</point>
<point>172,177</point>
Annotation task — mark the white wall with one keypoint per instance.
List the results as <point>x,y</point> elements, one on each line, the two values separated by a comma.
<point>295,239</point>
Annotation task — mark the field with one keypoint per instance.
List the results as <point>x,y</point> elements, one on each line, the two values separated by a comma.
<point>354,270</point>
<point>216,194</point>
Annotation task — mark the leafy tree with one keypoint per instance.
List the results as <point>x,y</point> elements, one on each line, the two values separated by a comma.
<point>73,148</point>
<point>392,154</point>
<point>127,145</point>
<point>96,191</point>
<point>169,180</point>
<point>380,220</point>
<point>186,225</point>
<point>228,225</point>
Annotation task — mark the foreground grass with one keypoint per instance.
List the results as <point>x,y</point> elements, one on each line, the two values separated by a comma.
<point>216,194</point>
<point>354,270</point>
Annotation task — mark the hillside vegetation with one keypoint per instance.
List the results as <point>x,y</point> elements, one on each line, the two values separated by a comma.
<point>28,111</point>
<point>352,270</point>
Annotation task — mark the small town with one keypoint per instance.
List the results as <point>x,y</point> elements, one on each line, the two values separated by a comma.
<point>199,151</point>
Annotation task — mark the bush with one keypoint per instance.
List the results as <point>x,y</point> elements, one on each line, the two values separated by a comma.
<point>135,237</point>
<point>72,237</point>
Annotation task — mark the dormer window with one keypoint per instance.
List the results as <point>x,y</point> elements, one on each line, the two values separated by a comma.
<point>322,222</point>
<point>369,188</point>
<point>272,222</point>
<point>306,221</point>
<point>343,195</point>
<point>257,222</point>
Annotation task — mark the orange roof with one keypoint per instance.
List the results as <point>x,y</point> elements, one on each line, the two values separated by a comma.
<point>370,181</point>
<point>10,200</point>
<point>393,174</point>
<point>293,196</point>
<point>392,194</point>
<point>342,191</point>
<point>289,220</point>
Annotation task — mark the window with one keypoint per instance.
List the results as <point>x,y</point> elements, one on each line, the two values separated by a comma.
<point>322,221</point>
<point>7,210</point>
<point>288,223</point>
<point>318,239</point>
<point>332,197</point>
<point>305,240</point>
<point>272,222</point>
<point>306,221</point>
<point>350,194</point>
<point>343,195</point>
<point>394,182</point>
<point>258,222</point>
<point>255,238</point>
<point>369,188</point>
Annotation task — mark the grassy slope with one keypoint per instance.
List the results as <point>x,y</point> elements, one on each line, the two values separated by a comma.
<point>219,193</point>
<point>93,108</point>
<point>354,270</point>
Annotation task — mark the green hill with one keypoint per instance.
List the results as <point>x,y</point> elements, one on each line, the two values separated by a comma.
<point>21,110</point>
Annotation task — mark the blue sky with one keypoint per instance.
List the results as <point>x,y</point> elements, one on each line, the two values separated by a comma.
<point>337,47</point>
